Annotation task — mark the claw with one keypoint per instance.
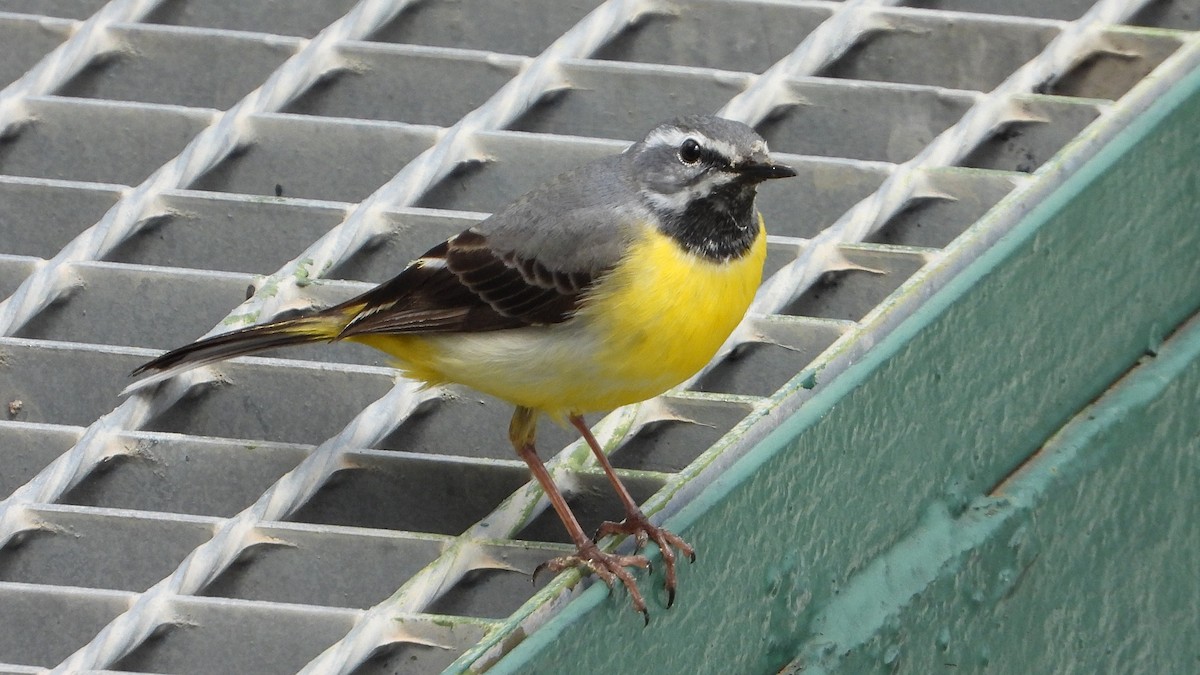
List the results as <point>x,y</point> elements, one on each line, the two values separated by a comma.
<point>609,567</point>
<point>642,530</point>
<point>536,571</point>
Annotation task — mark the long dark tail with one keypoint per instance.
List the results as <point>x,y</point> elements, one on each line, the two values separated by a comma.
<point>321,327</point>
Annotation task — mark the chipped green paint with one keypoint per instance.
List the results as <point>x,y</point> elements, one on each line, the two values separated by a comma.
<point>238,320</point>
<point>809,380</point>
<point>303,275</point>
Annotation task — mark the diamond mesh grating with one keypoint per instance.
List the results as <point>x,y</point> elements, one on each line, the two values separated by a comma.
<point>313,511</point>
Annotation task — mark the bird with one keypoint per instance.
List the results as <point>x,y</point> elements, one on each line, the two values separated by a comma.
<point>604,286</point>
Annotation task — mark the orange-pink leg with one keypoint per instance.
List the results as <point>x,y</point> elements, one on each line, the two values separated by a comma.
<point>635,522</point>
<point>609,567</point>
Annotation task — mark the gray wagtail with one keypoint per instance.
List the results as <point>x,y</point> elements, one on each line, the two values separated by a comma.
<point>603,287</point>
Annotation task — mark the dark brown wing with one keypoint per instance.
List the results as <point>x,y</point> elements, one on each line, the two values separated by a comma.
<point>463,285</point>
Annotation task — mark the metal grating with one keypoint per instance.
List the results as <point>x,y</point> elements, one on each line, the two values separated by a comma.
<point>313,512</point>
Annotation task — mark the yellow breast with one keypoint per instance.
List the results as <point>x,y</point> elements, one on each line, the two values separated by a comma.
<point>664,312</point>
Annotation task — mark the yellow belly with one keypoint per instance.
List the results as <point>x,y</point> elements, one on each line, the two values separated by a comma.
<point>655,321</point>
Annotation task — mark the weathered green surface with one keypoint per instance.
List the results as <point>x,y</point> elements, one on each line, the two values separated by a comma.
<point>1084,562</point>
<point>802,546</point>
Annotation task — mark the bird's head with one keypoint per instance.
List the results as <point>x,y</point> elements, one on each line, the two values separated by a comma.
<point>699,175</point>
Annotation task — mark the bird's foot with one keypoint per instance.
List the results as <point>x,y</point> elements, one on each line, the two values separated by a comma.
<point>610,567</point>
<point>643,530</point>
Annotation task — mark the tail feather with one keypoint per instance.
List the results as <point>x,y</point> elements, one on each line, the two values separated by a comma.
<point>316,328</point>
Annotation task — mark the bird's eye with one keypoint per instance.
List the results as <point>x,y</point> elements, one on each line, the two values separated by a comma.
<point>689,152</point>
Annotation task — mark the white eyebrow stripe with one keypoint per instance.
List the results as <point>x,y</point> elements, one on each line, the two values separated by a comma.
<point>673,137</point>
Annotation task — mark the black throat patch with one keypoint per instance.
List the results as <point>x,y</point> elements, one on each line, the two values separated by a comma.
<point>721,226</point>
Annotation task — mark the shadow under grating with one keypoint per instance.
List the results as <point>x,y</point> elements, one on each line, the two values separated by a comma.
<point>359,568</point>
<point>213,631</point>
<point>497,591</point>
<point>184,474</point>
<point>417,494</point>
<point>466,424</point>
<point>79,547</point>
<point>670,445</point>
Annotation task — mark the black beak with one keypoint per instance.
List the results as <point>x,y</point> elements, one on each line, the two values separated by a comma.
<point>757,172</point>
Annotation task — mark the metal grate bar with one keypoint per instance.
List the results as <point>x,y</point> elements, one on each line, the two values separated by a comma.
<point>768,91</point>
<point>990,112</point>
<point>89,40</point>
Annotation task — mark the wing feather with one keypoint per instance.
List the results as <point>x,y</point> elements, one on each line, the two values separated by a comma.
<point>462,285</point>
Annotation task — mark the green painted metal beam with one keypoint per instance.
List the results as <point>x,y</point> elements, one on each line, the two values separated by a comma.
<point>1083,561</point>
<point>856,523</point>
